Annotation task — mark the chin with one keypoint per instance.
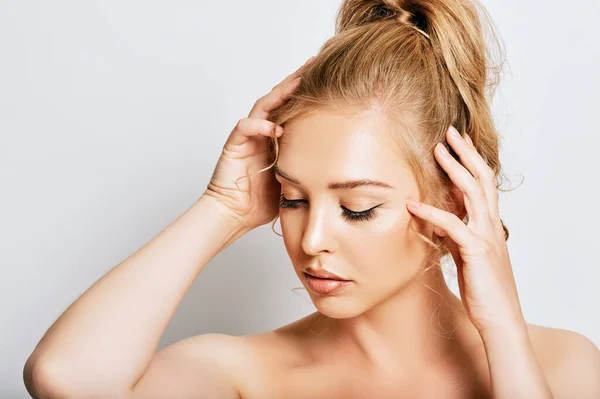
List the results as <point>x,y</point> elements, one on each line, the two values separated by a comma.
<point>338,307</point>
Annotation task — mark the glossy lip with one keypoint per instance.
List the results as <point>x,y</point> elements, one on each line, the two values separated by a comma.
<point>325,286</point>
<point>322,273</point>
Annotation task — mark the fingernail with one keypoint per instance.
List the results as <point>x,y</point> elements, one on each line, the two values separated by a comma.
<point>443,150</point>
<point>279,130</point>
<point>468,139</point>
<point>454,132</point>
<point>413,204</point>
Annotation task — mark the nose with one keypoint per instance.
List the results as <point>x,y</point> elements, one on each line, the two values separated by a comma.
<point>318,235</point>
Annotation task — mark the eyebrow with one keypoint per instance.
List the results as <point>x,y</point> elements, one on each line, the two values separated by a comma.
<point>348,184</point>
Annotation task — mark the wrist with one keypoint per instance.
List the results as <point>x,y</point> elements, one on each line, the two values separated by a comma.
<point>228,226</point>
<point>221,211</point>
<point>515,332</point>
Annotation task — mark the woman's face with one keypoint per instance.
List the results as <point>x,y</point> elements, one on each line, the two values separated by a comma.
<point>378,252</point>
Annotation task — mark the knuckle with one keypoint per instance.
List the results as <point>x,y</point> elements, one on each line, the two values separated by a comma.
<point>261,100</point>
<point>488,174</point>
<point>241,124</point>
<point>480,192</point>
<point>475,190</point>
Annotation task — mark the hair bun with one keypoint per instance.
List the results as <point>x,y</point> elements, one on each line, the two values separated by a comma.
<point>382,10</point>
<point>362,12</point>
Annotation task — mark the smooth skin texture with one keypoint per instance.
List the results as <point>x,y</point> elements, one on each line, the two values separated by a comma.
<point>395,332</point>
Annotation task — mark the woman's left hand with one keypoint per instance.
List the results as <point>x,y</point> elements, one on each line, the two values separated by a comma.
<point>485,278</point>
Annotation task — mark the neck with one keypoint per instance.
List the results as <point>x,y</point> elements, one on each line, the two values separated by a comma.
<point>423,324</point>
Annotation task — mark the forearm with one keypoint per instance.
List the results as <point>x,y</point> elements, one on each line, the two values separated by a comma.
<point>107,337</point>
<point>514,370</point>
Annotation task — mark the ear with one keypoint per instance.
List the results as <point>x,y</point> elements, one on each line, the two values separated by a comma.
<point>459,208</point>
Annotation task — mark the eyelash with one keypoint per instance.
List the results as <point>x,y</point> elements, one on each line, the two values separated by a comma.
<point>367,215</point>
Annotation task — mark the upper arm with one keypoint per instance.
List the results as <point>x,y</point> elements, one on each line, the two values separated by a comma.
<point>195,367</point>
<point>576,373</point>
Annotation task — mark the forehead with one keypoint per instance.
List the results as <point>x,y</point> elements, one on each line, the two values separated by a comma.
<point>327,146</point>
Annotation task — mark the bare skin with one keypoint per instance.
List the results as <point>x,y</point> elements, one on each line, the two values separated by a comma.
<point>386,335</point>
<point>453,367</point>
<point>300,360</point>
<point>395,331</point>
<point>295,362</point>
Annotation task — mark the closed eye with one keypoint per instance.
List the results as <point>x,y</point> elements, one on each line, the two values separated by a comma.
<point>348,214</point>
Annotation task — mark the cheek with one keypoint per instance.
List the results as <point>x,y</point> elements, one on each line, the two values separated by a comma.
<point>389,252</point>
<point>384,244</point>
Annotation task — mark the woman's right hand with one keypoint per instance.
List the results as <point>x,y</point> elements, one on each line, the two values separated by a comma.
<point>245,152</point>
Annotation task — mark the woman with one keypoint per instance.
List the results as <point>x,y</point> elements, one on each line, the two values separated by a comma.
<point>337,151</point>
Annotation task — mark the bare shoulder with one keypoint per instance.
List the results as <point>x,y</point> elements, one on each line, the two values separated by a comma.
<point>202,366</point>
<point>284,345</point>
<point>217,366</point>
<point>570,361</point>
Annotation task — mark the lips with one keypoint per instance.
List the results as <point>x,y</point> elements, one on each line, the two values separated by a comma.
<point>325,286</point>
<point>322,273</point>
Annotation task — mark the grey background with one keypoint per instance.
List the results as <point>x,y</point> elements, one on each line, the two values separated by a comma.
<point>113,115</point>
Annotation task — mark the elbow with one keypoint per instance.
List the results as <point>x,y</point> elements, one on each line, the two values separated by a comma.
<point>43,381</point>
<point>39,381</point>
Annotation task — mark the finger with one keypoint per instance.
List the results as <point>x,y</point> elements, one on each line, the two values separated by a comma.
<point>449,222</point>
<point>475,199</point>
<point>476,165</point>
<point>273,100</point>
<point>248,127</point>
<point>278,95</point>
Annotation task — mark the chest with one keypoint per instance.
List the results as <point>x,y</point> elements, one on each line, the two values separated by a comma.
<point>338,381</point>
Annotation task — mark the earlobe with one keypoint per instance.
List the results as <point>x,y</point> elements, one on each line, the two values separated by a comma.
<point>440,232</point>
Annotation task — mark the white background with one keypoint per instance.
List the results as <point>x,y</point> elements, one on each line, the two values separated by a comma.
<point>113,115</point>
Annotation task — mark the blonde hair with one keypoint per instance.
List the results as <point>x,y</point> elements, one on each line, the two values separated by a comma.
<point>425,65</point>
